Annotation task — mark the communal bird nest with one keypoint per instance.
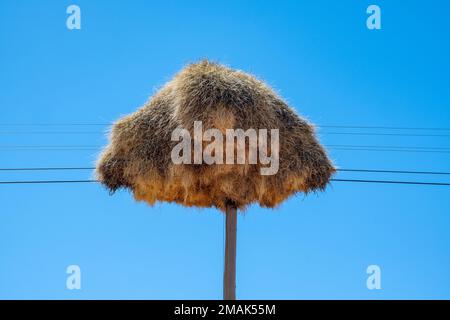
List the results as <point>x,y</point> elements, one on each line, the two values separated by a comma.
<point>203,96</point>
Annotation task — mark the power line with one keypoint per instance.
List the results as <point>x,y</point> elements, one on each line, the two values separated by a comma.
<point>50,146</point>
<point>47,168</point>
<point>394,182</point>
<point>52,149</point>
<point>340,149</point>
<point>53,124</point>
<point>47,181</point>
<point>388,150</point>
<point>394,171</point>
<point>385,134</point>
<point>384,127</point>
<point>388,147</point>
<point>79,124</point>
<point>335,180</point>
<point>328,145</point>
<point>372,148</point>
<point>51,132</point>
<point>321,133</point>
<point>339,170</point>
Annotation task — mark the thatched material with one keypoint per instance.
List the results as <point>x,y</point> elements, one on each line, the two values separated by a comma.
<point>138,156</point>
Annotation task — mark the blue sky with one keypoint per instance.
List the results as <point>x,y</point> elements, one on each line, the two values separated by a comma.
<point>319,56</point>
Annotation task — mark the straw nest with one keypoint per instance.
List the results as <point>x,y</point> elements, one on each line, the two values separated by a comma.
<point>138,156</point>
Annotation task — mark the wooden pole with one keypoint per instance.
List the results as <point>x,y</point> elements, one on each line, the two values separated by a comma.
<point>229,277</point>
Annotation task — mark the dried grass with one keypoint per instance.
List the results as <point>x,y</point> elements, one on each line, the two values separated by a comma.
<point>138,155</point>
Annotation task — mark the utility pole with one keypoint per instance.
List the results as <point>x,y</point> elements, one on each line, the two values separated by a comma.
<point>229,277</point>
